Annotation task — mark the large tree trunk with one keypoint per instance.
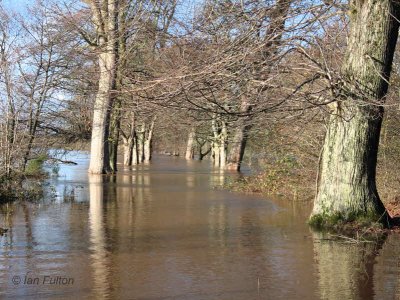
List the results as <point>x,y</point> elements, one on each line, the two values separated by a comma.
<point>99,154</point>
<point>104,17</point>
<point>346,184</point>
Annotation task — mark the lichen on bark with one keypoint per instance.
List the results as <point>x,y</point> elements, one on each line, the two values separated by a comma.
<point>346,187</point>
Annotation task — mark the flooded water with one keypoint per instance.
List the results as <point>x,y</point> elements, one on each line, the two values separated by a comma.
<point>164,231</point>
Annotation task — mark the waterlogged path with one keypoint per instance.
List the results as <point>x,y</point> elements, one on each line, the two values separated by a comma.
<point>164,232</point>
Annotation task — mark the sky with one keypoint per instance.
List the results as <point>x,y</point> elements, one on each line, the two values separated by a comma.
<point>16,5</point>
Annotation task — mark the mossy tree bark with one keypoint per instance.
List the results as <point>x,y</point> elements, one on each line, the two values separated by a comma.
<point>346,186</point>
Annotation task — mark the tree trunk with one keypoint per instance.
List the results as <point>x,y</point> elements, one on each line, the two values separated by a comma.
<point>190,144</point>
<point>219,140</point>
<point>135,154</point>
<point>215,154</point>
<point>222,145</point>
<point>236,153</point>
<point>105,19</point>
<point>128,149</point>
<point>99,154</point>
<point>346,185</point>
<point>239,142</point>
<point>140,143</point>
<point>129,144</point>
<point>203,154</point>
<point>115,127</point>
<point>272,43</point>
<point>149,142</point>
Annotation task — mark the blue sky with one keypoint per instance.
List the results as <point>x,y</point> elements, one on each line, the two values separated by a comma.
<point>17,5</point>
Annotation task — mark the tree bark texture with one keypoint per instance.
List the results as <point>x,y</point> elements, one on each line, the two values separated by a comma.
<point>346,184</point>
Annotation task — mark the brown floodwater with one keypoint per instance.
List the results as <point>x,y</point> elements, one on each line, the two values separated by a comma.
<point>164,231</point>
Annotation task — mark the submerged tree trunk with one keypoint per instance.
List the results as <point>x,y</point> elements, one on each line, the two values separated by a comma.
<point>104,17</point>
<point>140,134</point>
<point>135,154</point>
<point>115,127</point>
<point>346,184</point>
<point>190,144</point>
<point>149,142</point>
<point>222,145</point>
<point>128,147</point>
<point>219,141</point>
<point>129,140</point>
<point>236,153</point>
<point>201,144</point>
<point>215,153</point>
<point>239,141</point>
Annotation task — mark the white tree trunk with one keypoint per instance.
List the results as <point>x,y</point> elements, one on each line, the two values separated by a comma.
<point>222,145</point>
<point>99,154</point>
<point>128,149</point>
<point>190,144</point>
<point>104,17</point>
<point>215,153</point>
<point>140,143</point>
